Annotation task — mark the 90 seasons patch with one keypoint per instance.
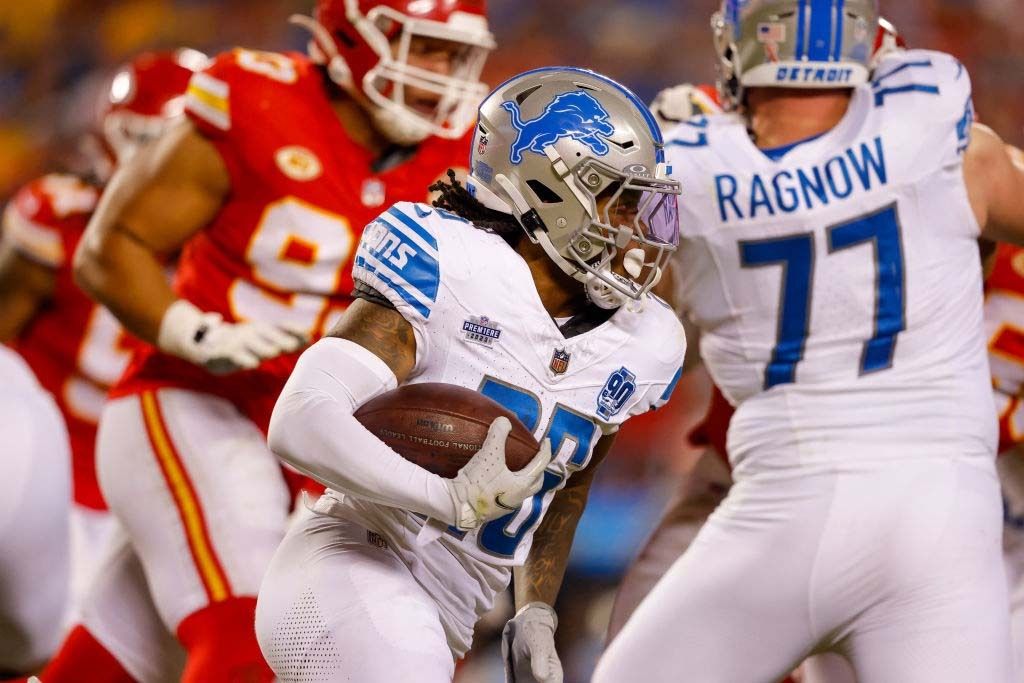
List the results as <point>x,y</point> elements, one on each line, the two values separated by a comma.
<point>481,330</point>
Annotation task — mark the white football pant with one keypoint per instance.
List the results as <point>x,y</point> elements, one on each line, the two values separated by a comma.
<point>895,565</point>
<point>337,604</point>
<point>35,500</point>
<point>200,495</point>
<point>118,611</point>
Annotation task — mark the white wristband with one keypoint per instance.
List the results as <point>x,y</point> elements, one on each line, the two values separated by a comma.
<point>181,323</point>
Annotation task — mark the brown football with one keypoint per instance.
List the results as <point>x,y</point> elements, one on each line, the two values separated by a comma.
<point>440,426</point>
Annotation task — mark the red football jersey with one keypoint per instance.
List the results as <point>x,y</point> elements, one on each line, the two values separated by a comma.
<point>1004,327</point>
<point>76,348</point>
<point>281,248</point>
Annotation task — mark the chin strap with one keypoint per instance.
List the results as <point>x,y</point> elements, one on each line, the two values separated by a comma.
<point>603,295</point>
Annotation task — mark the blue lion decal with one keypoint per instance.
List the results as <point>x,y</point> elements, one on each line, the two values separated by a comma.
<point>575,115</point>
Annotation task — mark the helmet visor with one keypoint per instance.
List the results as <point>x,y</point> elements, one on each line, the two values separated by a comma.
<point>659,217</point>
<point>633,229</point>
<point>647,207</point>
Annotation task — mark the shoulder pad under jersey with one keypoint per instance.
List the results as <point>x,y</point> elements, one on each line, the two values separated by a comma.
<point>399,256</point>
<point>235,83</point>
<point>931,86</point>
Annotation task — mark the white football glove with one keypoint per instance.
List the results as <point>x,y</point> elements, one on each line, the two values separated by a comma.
<point>528,646</point>
<point>222,347</point>
<point>485,488</point>
<point>674,105</point>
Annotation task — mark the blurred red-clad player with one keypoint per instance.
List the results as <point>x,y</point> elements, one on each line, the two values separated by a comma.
<point>76,348</point>
<point>264,189</point>
<point>1004,327</point>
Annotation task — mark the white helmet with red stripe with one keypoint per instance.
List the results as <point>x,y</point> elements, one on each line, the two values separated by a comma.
<point>366,44</point>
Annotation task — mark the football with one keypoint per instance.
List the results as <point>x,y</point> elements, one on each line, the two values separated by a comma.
<point>440,426</point>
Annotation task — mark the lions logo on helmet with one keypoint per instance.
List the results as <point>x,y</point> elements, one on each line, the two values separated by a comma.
<point>601,209</point>
<point>576,115</point>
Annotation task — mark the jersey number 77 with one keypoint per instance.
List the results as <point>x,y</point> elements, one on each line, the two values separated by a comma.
<point>795,254</point>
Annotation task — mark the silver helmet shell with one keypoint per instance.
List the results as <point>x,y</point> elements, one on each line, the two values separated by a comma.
<point>578,159</point>
<point>793,44</point>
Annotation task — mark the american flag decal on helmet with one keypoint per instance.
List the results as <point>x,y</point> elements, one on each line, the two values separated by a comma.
<point>770,34</point>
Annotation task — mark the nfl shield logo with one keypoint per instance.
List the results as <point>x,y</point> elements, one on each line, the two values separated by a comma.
<point>559,362</point>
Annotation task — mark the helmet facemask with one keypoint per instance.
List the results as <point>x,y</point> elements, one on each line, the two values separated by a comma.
<point>459,92</point>
<point>729,89</point>
<point>633,227</point>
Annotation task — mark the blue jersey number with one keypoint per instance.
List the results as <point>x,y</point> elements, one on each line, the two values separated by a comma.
<point>502,536</point>
<point>795,254</point>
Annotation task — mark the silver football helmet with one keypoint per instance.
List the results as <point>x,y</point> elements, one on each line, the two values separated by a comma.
<point>579,161</point>
<point>793,44</point>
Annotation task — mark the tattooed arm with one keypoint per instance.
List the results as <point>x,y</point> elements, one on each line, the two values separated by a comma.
<point>383,332</point>
<point>370,352</point>
<point>528,640</point>
<point>540,578</point>
<point>313,428</point>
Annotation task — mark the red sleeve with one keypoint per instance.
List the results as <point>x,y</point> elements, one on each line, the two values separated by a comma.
<point>1007,269</point>
<point>236,84</point>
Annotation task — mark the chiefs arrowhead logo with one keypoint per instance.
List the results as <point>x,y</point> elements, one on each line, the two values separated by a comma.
<point>298,163</point>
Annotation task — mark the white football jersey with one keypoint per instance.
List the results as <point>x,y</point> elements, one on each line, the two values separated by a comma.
<point>837,284</point>
<point>479,323</point>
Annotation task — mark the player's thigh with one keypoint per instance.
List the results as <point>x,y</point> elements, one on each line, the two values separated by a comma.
<point>35,496</point>
<point>946,620</point>
<point>118,611</point>
<point>199,493</point>
<point>734,606</point>
<point>91,536</point>
<point>335,605</point>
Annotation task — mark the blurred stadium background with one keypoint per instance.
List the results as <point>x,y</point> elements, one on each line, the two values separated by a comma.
<point>55,57</point>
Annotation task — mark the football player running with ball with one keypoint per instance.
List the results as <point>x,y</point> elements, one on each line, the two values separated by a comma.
<point>566,225</point>
<point>829,256</point>
<point>263,188</point>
